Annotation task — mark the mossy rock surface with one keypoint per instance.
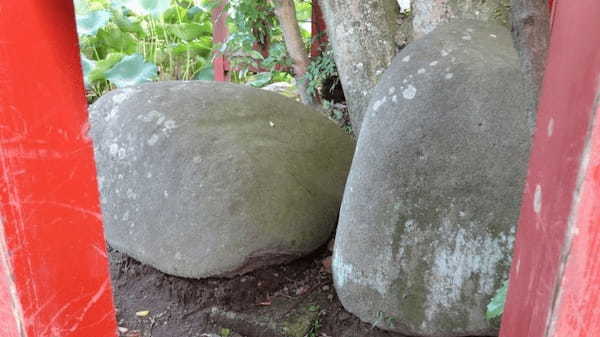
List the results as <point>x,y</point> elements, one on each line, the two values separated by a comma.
<point>204,179</point>
<point>431,203</point>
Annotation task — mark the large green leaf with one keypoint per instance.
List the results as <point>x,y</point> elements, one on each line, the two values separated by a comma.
<point>132,70</point>
<point>496,306</point>
<point>90,23</point>
<point>195,48</point>
<point>175,14</point>
<point>148,7</point>
<point>206,74</point>
<point>87,66</point>
<point>125,24</point>
<point>117,40</point>
<point>189,31</point>
<point>261,79</point>
<point>102,66</point>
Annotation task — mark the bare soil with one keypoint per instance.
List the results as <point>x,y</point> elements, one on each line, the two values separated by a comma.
<point>294,300</point>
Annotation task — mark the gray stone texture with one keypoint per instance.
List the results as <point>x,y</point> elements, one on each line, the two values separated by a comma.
<point>363,38</point>
<point>204,179</point>
<point>428,14</point>
<point>429,211</point>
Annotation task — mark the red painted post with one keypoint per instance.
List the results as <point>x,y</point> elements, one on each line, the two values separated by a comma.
<point>318,30</point>
<point>220,35</point>
<point>54,279</point>
<point>555,277</point>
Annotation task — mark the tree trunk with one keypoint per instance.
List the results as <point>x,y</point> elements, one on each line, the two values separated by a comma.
<point>363,36</point>
<point>428,14</point>
<point>531,34</point>
<point>286,14</point>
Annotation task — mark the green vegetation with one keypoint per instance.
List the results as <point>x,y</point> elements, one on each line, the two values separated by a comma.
<point>133,41</point>
<point>496,306</point>
<point>127,42</point>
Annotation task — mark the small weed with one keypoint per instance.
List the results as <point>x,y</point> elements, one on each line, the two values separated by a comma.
<point>225,332</point>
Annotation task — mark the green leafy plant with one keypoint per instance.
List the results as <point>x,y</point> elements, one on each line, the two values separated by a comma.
<point>383,318</point>
<point>496,306</point>
<point>255,45</point>
<point>320,69</point>
<point>128,42</point>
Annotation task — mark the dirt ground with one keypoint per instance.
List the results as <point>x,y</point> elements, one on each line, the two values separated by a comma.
<point>295,300</point>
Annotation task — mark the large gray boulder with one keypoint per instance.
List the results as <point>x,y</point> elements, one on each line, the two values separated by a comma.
<point>204,179</point>
<point>429,211</point>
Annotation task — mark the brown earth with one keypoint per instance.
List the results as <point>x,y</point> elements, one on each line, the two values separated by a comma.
<point>294,300</point>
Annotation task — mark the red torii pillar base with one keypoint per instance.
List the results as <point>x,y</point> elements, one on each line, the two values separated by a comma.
<point>554,286</point>
<point>54,279</point>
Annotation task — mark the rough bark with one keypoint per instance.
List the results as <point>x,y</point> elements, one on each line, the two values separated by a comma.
<point>363,36</point>
<point>286,14</point>
<point>531,34</point>
<point>428,14</point>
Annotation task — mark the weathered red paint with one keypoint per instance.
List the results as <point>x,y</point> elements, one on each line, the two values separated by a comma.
<point>555,277</point>
<point>220,34</point>
<point>318,30</point>
<point>54,279</point>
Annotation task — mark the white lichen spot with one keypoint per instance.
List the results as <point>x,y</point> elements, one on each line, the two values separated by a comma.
<point>470,30</point>
<point>122,153</point>
<point>395,99</point>
<point>391,90</point>
<point>125,216</point>
<point>153,140</point>
<point>467,262</point>
<point>421,71</point>
<point>550,127</point>
<point>370,275</point>
<point>404,81</point>
<point>493,36</point>
<point>168,127</point>
<point>271,124</point>
<point>149,175</point>
<point>358,67</point>
<point>467,37</point>
<point>537,200</point>
<point>410,92</point>
<point>166,194</point>
<point>444,52</point>
<point>120,97</point>
<point>197,159</point>
<point>406,58</point>
<point>433,64</point>
<point>151,116</point>
<point>449,76</point>
<point>379,103</point>
<point>178,256</point>
<point>113,149</point>
<point>131,194</point>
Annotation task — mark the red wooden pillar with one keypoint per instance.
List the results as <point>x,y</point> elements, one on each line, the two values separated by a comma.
<point>220,35</point>
<point>318,30</point>
<point>54,279</point>
<point>555,277</point>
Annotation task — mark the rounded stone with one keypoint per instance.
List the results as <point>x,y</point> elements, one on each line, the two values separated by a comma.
<point>428,216</point>
<point>204,179</point>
